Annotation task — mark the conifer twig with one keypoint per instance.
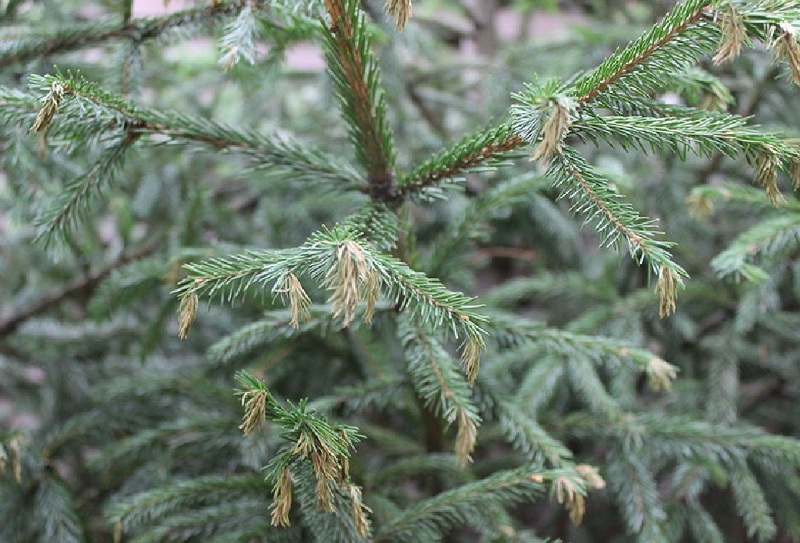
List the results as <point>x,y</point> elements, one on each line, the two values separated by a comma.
<point>442,389</point>
<point>746,110</point>
<point>140,30</point>
<point>589,87</point>
<point>355,73</point>
<point>465,155</point>
<point>460,505</point>
<point>640,51</point>
<point>268,151</point>
<point>12,319</point>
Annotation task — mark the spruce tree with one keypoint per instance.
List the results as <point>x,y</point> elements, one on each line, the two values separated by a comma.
<point>236,295</point>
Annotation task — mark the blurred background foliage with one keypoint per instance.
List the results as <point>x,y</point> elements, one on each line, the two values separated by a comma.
<point>100,400</point>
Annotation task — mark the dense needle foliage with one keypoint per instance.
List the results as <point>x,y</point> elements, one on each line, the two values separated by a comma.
<point>546,291</point>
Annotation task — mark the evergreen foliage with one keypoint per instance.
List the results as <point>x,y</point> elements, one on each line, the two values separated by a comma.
<point>326,378</point>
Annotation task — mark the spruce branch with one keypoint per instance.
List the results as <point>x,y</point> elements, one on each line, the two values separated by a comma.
<point>143,508</point>
<point>378,224</point>
<point>615,219</point>
<point>13,51</point>
<point>585,381</point>
<point>74,95</point>
<point>240,517</point>
<point>57,512</point>
<point>751,503</point>
<point>523,334</point>
<point>746,109</point>
<point>549,112</point>
<point>326,447</point>
<point>670,46</point>
<point>647,64</point>
<point>663,50</point>
<point>20,108</point>
<point>682,437</point>
<point>232,277</point>
<point>431,301</point>
<point>268,152</point>
<point>636,493</point>
<point>476,152</point>
<point>539,385</point>
<point>699,133</point>
<point>74,202</point>
<point>519,425</point>
<point>13,318</point>
<point>354,71</point>
<point>437,382</point>
<point>340,260</point>
<point>401,9</point>
<point>768,240</point>
<point>431,517</point>
<point>238,42</point>
<point>275,328</point>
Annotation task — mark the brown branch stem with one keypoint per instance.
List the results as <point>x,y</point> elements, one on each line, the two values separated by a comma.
<point>632,237</point>
<point>629,66</point>
<point>472,160</point>
<point>354,69</point>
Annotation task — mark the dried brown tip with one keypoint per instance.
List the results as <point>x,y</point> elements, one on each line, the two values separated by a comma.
<point>360,512</point>
<point>49,107</point>
<point>229,59</point>
<point>299,302</point>
<point>660,374</point>
<point>187,312</point>
<point>466,437</point>
<point>351,279</point>
<point>553,131</point>
<point>700,205</point>
<point>372,290</point>
<point>564,491</point>
<point>591,476</point>
<point>16,464</point>
<point>767,175</point>
<point>471,356</point>
<point>325,495</point>
<point>794,171</point>
<point>787,48</point>
<point>733,36</point>
<point>255,410</point>
<point>667,289</point>
<point>401,10</point>
<point>326,470</point>
<point>282,499</point>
